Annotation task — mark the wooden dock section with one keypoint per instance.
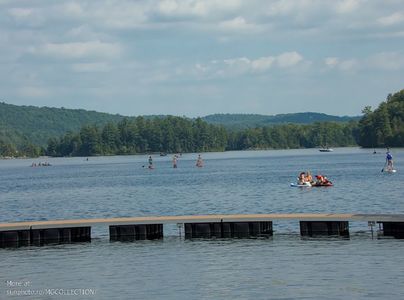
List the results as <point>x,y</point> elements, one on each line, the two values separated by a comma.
<point>207,226</point>
<point>203,218</point>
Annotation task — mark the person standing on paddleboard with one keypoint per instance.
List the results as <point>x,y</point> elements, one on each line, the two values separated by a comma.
<point>199,162</point>
<point>389,160</point>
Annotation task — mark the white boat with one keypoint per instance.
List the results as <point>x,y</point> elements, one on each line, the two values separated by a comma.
<point>326,150</point>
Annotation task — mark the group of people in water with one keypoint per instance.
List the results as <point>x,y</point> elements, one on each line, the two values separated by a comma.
<point>305,178</point>
<point>41,164</point>
<point>199,161</point>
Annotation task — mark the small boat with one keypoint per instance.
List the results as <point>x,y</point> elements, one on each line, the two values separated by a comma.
<point>326,150</point>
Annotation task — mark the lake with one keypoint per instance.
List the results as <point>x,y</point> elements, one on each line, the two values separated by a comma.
<point>285,266</point>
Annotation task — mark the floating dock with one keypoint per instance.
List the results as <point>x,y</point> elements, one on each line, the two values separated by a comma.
<point>203,226</point>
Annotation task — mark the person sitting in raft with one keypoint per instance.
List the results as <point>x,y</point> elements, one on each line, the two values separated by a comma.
<point>302,178</point>
<point>308,177</point>
<point>322,180</point>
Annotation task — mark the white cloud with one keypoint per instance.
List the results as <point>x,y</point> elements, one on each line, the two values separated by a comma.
<point>238,24</point>
<point>73,9</point>
<point>262,64</point>
<point>347,65</point>
<point>331,61</point>
<point>383,61</point>
<point>280,8</point>
<point>78,50</point>
<point>244,65</point>
<point>347,6</point>
<point>393,19</point>
<point>33,92</point>
<point>200,8</point>
<point>289,59</point>
<point>90,67</point>
<point>120,15</point>
<point>390,61</point>
<point>20,12</point>
<point>239,16</point>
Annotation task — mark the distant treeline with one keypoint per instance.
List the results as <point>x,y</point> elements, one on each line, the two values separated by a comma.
<point>140,135</point>
<point>24,149</point>
<point>383,127</point>
<point>176,134</point>
<point>295,136</point>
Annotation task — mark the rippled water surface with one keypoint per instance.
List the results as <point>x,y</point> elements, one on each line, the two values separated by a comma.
<point>282,267</point>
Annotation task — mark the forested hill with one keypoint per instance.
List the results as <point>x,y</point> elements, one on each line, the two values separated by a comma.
<point>36,125</point>
<point>20,124</point>
<point>68,132</point>
<point>383,127</point>
<point>242,121</point>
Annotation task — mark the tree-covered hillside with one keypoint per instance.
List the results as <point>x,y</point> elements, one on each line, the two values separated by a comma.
<point>383,127</point>
<point>176,134</point>
<point>37,124</point>
<point>141,135</point>
<point>31,131</point>
<point>243,121</point>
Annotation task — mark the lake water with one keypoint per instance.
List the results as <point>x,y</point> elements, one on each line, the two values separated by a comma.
<point>282,267</point>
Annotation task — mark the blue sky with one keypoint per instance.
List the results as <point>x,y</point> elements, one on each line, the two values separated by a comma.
<point>198,57</point>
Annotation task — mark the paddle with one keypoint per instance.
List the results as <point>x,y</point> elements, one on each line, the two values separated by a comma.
<point>384,166</point>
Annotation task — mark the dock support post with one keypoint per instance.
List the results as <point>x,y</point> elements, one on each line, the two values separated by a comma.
<point>135,232</point>
<point>394,229</point>
<point>321,228</point>
<point>39,237</point>
<point>228,229</point>
<point>60,235</point>
<point>14,238</point>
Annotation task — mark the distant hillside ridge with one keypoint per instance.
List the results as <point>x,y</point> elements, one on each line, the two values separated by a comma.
<point>239,121</point>
<point>38,124</point>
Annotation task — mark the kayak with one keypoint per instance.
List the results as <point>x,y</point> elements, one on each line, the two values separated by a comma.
<point>307,184</point>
